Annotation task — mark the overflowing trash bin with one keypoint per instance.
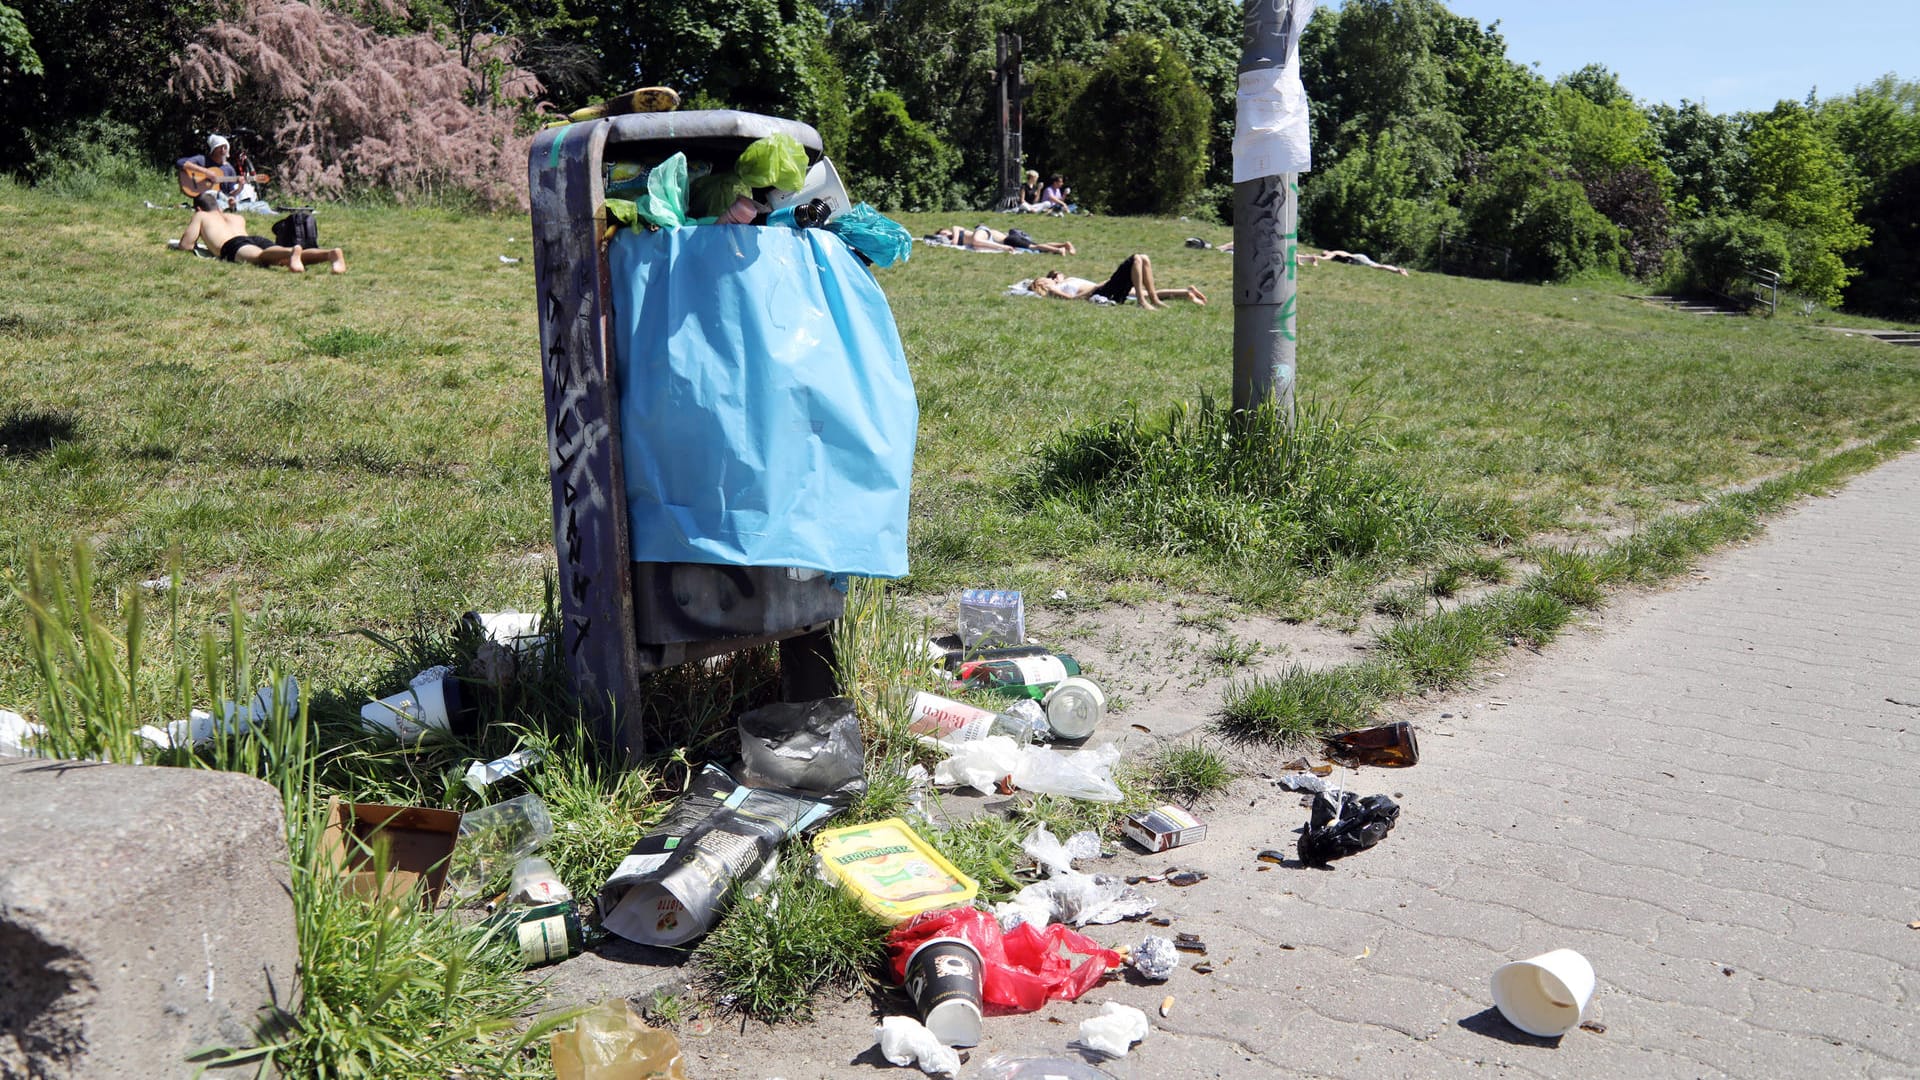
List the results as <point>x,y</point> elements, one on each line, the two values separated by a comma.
<point>723,405</point>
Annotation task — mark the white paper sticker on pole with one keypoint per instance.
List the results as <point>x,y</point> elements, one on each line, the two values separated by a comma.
<point>1270,134</point>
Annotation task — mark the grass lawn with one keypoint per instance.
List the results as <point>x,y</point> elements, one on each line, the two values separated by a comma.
<point>321,455</point>
<point>357,451</point>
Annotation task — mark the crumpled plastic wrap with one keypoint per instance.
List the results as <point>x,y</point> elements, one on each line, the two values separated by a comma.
<point>776,161</point>
<point>1115,1030</point>
<point>1084,774</point>
<point>906,1041</point>
<point>978,764</point>
<point>1155,958</point>
<point>1053,856</point>
<point>611,1042</point>
<point>1074,898</point>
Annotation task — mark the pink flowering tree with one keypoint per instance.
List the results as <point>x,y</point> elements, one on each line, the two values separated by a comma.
<point>352,109</point>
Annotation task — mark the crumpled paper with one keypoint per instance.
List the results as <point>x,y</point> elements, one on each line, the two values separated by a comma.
<point>906,1041</point>
<point>1115,1030</point>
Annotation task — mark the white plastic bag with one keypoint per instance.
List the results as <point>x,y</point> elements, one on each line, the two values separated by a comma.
<point>1055,857</point>
<point>905,1041</point>
<point>978,764</point>
<point>1115,1030</point>
<point>1087,774</point>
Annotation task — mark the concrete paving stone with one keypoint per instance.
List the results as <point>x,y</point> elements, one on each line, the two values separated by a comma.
<point>1839,971</point>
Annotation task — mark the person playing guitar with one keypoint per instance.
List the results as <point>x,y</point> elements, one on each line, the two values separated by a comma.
<point>202,173</point>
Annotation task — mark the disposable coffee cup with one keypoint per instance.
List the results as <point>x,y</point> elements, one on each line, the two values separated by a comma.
<point>412,712</point>
<point>1544,996</point>
<point>943,979</point>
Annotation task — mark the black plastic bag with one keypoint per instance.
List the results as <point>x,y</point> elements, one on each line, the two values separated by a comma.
<point>1344,823</point>
<point>810,746</point>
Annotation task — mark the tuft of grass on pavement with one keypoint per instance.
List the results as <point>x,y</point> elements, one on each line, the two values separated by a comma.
<point>772,952</point>
<point>1307,701</point>
<point>1187,772</point>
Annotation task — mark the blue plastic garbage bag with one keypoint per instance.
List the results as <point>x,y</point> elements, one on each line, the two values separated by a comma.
<point>767,415</point>
<point>877,236</point>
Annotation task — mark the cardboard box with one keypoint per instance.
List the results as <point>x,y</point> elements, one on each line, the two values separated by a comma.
<point>1163,827</point>
<point>413,842</point>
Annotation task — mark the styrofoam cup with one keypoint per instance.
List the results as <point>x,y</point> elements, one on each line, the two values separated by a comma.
<point>411,712</point>
<point>1544,995</point>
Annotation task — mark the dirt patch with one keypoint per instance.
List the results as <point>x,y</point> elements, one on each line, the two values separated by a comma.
<point>1165,664</point>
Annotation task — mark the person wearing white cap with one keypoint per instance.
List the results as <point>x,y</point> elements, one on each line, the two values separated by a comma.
<point>206,166</point>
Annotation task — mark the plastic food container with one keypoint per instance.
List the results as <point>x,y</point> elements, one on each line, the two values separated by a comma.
<point>895,874</point>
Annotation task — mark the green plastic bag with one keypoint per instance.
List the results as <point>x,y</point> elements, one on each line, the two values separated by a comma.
<point>665,203</point>
<point>714,193</point>
<point>777,161</point>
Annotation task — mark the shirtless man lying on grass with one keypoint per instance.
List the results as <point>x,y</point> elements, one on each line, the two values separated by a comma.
<point>227,234</point>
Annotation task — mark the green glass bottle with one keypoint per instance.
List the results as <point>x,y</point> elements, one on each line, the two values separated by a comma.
<point>546,934</point>
<point>1019,676</point>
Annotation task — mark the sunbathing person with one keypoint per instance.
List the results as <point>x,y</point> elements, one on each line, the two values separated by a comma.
<point>984,238</point>
<point>1133,277</point>
<point>227,234</point>
<point>1350,258</point>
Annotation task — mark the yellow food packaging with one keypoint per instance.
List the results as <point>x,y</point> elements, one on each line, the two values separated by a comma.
<point>895,874</point>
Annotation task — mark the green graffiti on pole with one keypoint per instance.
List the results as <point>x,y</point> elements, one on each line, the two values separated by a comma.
<point>1283,319</point>
<point>1293,262</point>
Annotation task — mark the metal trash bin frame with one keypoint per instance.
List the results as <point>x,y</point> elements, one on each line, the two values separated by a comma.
<point>623,620</point>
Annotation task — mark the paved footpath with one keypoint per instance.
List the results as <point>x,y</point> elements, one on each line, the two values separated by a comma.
<point>1715,796</point>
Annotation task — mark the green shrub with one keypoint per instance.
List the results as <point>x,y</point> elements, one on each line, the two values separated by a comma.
<point>1553,231</point>
<point>1371,200</point>
<point>1139,130</point>
<point>96,158</point>
<point>1722,249</point>
<point>899,162</point>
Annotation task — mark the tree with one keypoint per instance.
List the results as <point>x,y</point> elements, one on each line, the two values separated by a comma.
<point>1800,180</point>
<point>1598,85</point>
<point>939,56</point>
<point>97,60</point>
<point>1704,152</point>
<point>1206,34</point>
<point>1139,129</point>
<point>761,55</point>
<point>1878,128</point>
<point>900,163</point>
<point>550,41</point>
<point>355,109</point>
<point>16,46</point>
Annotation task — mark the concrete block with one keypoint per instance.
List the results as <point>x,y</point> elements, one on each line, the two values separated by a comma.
<point>145,914</point>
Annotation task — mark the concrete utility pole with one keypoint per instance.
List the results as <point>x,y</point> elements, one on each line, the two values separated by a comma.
<point>1270,150</point>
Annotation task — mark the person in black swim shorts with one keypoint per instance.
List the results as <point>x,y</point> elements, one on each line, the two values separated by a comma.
<point>1132,278</point>
<point>227,234</point>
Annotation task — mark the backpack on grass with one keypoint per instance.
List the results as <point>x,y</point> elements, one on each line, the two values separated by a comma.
<point>297,230</point>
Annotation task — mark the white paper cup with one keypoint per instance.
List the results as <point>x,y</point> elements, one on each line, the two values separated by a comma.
<point>411,712</point>
<point>1545,995</point>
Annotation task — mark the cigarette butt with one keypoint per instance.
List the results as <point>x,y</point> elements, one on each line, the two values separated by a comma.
<point>1166,1005</point>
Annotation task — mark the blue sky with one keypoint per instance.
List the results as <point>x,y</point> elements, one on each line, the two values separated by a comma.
<point>1730,56</point>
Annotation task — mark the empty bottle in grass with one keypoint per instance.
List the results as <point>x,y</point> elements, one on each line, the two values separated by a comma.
<point>1019,676</point>
<point>952,659</point>
<point>546,934</point>
<point>957,721</point>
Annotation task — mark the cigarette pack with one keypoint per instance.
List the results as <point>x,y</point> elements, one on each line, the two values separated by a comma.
<point>1164,827</point>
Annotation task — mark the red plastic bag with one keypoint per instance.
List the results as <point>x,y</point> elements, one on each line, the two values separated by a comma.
<point>1024,967</point>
